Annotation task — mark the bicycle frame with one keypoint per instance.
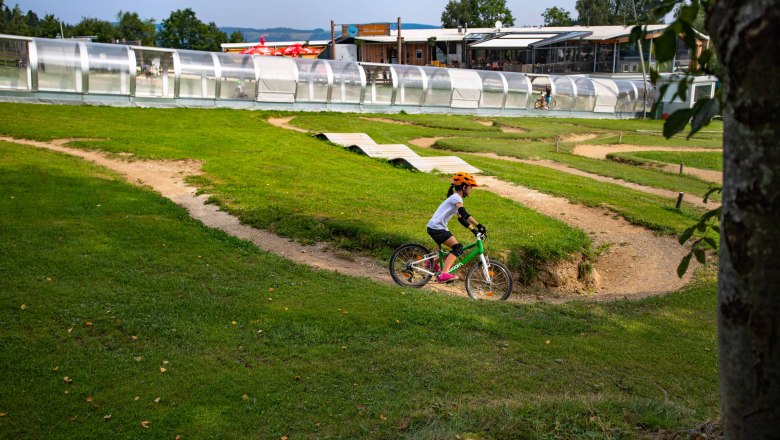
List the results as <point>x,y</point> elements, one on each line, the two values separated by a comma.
<point>477,249</point>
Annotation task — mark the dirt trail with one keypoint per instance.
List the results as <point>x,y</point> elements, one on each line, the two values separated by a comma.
<point>167,178</point>
<point>425,142</point>
<point>387,121</point>
<point>637,263</point>
<point>601,151</point>
<point>635,186</point>
<point>284,123</point>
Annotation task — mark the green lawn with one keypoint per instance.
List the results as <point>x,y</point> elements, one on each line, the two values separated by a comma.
<point>546,150</point>
<point>706,161</point>
<point>295,185</point>
<point>107,285</point>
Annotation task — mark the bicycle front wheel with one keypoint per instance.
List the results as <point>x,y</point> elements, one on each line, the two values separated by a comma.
<point>499,287</point>
<point>404,265</point>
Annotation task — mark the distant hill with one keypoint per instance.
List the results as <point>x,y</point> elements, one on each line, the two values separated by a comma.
<point>289,34</point>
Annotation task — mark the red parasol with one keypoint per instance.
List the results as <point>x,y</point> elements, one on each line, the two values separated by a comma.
<point>308,50</point>
<point>293,50</point>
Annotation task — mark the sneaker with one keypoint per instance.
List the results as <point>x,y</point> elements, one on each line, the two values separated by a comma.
<point>446,278</point>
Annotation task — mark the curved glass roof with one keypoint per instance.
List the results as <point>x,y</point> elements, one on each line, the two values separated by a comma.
<point>186,77</point>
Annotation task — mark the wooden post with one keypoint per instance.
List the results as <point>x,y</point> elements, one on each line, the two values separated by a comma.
<point>332,40</point>
<point>620,137</point>
<point>400,48</point>
<point>681,167</point>
<point>679,200</point>
<point>557,141</point>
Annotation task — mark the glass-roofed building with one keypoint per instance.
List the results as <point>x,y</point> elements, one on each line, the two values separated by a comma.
<point>75,72</point>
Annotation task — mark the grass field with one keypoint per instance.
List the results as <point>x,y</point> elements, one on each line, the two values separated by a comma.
<point>293,184</point>
<point>118,309</point>
<point>706,161</point>
<point>296,186</point>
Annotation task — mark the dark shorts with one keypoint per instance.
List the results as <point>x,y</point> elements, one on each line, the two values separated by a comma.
<point>439,235</point>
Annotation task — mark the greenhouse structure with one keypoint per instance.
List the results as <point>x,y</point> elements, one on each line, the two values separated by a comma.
<point>73,71</point>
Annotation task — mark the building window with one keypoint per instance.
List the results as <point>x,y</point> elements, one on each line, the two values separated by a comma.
<point>419,54</point>
<point>702,92</point>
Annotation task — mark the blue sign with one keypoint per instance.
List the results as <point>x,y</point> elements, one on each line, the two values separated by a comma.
<point>352,31</point>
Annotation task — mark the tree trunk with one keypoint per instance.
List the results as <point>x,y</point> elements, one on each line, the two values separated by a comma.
<point>746,35</point>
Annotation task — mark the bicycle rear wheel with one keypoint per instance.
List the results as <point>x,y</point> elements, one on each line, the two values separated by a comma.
<point>403,268</point>
<point>500,286</point>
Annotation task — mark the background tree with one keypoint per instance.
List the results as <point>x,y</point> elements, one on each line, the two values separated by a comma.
<point>132,28</point>
<point>616,12</point>
<point>236,37</point>
<point>183,30</point>
<point>556,16</point>
<point>491,11</point>
<point>593,12</point>
<point>476,13</point>
<point>103,31</point>
<point>15,22</point>
<point>213,37</point>
<point>3,16</point>
<point>33,21</point>
<point>49,27</point>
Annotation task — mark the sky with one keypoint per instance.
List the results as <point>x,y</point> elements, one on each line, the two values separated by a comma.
<point>297,14</point>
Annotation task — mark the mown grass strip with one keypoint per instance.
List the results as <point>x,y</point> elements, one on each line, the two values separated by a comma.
<point>546,150</point>
<point>655,212</point>
<point>107,284</point>
<point>706,161</point>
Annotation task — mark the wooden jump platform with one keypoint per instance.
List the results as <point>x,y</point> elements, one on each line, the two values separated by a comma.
<point>398,154</point>
<point>347,139</point>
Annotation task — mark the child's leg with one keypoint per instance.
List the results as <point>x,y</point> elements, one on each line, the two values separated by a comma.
<point>450,260</point>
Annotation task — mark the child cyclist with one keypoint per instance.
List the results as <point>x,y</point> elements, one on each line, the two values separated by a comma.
<point>460,188</point>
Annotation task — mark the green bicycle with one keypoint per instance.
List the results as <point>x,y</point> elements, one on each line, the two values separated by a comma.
<point>413,265</point>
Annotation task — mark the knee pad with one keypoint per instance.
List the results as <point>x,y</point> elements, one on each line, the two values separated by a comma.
<point>457,250</point>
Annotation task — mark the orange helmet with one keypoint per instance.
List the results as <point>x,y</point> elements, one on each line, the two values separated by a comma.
<point>461,177</point>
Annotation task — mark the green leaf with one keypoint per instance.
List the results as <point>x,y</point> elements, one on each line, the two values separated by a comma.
<point>654,75</point>
<point>666,45</point>
<point>716,229</point>
<point>637,33</point>
<point>689,36</point>
<point>701,256</point>
<point>683,266</point>
<point>711,243</point>
<point>677,122</point>
<point>706,59</point>
<point>682,89</point>
<point>688,13</point>
<point>703,112</point>
<point>710,214</point>
<point>714,189</point>
<point>686,234</point>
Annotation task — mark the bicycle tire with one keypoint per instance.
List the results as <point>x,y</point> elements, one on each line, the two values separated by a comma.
<point>501,282</point>
<point>401,265</point>
<point>552,104</point>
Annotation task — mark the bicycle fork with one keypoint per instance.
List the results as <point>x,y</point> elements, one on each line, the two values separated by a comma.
<point>485,269</point>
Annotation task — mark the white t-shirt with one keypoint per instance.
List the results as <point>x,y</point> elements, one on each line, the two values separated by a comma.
<point>444,212</point>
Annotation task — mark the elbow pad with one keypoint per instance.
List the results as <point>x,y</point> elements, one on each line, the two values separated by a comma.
<point>463,217</point>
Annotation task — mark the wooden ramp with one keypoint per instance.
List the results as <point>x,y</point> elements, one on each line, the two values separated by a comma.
<point>443,164</point>
<point>385,151</point>
<point>398,154</point>
<point>347,139</point>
